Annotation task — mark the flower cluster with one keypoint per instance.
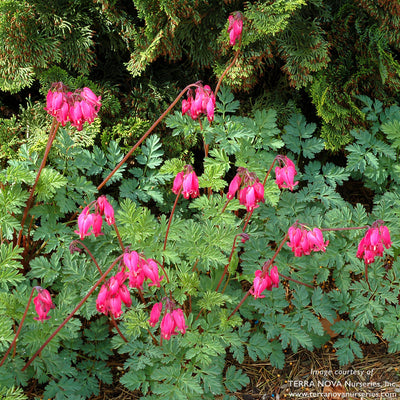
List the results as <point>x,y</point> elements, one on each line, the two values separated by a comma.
<point>285,174</point>
<point>141,269</point>
<point>172,321</point>
<point>186,181</point>
<point>86,220</point>
<point>264,280</point>
<point>112,294</point>
<point>372,244</point>
<point>251,189</point>
<point>303,241</point>
<point>235,27</point>
<point>202,103</point>
<point>77,107</point>
<point>43,304</point>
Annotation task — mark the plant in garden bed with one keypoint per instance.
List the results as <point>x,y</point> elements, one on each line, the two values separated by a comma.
<point>250,271</point>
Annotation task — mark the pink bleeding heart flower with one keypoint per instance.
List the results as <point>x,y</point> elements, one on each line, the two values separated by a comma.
<point>285,174</point>
<point>97,223</point>
<point>178,181</point>
<point>373,243</point>
<point>155,314</point>
<point>235,27</point>
<point>264,280</point>
<point>188,182</point>
<point>150,270</point>
<point>106,209</point>
<point>303,241</point>
<point>179,318</point>
<point>234,187</point>
<point>203,103</point>
<point>190,185</point>
<point>167,326</point>
<point>260,283</point>
<point>136,274</point>
<point>43,304</point>
<point>112,294</point>
<point>85,221</point>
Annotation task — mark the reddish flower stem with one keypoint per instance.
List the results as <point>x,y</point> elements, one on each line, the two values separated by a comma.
<point>269,171</point>
<point>228,67</point>
<point>163,269</point>
<point>152,336</point>
<point>247,220</point>
<point>90,255</point>
<point>117,328</point>
<point>53,131</point>
<point>344,229</point>
<point>366,276</point>
<point>101,273</point>
<point>119,237</point>
<point>19,328</point>
<point>163,115</point>
<point>296,281</point>
<point>226,204</point>
<point>94,287</point>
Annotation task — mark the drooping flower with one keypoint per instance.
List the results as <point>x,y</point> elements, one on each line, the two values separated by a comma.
<point>112,294</point>
<point>264,280</point>
<point>372,244</point>
<point>251,190</point>
<point>316,240</point>
<point>178,181</point>
<point>186,181</point>
<point>97,222</point>
<point>302,241</point>
<point>168,326</point>
<point>106,209</point>
<point>85,221</point>
<point>155,314</point>
<point>58,103</point>
<point>202,103</point>
<point>173,320</point>
<point>77,107</point>
<point>43,304</point>
<point>235,27</point>
<point>179,319</point>
<point>190,185</point>
<point>285,174</point>
<point>234,187</point>
<point>136,274</point>
<point>150,270</point>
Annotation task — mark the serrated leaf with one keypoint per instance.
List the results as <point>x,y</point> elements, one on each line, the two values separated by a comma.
<point>50,180</point>
<point>235,379</point>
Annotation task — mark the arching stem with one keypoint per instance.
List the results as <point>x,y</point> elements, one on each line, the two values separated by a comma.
<point>53,131</point>
<point>163,115</point>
